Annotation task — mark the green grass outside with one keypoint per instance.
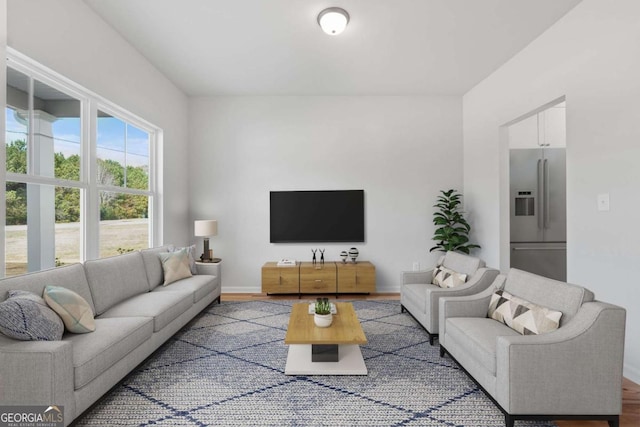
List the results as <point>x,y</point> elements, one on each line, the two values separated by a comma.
<point>114,235</point>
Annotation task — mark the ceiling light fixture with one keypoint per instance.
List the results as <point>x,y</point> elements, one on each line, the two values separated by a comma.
<point>333,20</point>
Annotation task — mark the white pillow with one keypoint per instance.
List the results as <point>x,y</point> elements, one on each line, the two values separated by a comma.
<point>175,265</point>
<point>446,278</point>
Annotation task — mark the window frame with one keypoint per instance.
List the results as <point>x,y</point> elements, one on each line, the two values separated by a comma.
<point>90,103</point>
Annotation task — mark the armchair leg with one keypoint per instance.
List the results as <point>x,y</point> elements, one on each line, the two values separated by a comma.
<point>615,422</point>
<point>442,351</point>
<point>432,338</point>
<point>402,309</point>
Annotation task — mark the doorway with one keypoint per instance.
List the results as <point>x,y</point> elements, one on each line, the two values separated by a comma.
<point>537,192</point>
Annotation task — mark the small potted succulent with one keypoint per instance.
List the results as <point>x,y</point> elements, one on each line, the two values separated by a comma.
<point>323,317</point>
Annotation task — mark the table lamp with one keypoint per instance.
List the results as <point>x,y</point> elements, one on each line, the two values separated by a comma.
<point>206,228</point>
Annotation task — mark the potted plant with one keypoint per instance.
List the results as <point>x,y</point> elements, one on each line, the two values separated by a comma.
<point>453,230</point>
<point>323,317</point>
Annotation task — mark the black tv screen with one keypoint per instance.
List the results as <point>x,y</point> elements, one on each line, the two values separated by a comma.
<point>317,216</point>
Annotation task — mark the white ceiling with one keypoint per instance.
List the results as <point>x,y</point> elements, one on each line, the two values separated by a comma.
<point>275,47</point>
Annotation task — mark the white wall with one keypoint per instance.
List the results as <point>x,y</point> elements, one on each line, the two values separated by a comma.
<point>68,37</point>
<point>592,56</point>
<point>400,150</point>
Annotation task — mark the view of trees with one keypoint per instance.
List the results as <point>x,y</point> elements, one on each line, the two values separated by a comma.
<point>110,172</point>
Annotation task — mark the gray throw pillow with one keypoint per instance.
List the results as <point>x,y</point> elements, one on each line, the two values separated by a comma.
<point>25,316</point>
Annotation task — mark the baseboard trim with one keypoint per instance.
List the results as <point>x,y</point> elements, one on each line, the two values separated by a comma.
<point>240,290</point>
<point>632,373</point>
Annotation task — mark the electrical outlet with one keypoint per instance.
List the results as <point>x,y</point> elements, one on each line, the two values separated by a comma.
<point>603,202</point>
<point>416,265</point>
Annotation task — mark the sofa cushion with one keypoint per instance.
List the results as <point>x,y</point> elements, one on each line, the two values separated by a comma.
<point>72,309</point>
<point>116,279</point>
<point>522,316</point>
<point>70,276</point>
<point>462,263</point>
<point>478,336</point>
<point>163,307</point>
<point>175,266</point>
<point>548,293</point>
<point>199,285</point>
<point>153,266</point>
<point>446,278</point>
<point>113,339</point>
<point>25,316</point>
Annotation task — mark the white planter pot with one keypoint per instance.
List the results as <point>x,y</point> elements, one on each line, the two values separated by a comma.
<point>323,320</point>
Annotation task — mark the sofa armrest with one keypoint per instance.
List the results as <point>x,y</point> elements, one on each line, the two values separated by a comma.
<point>481,280</point>
<point>37,373</point>
<point>419,277</point>
<point>576,369</point>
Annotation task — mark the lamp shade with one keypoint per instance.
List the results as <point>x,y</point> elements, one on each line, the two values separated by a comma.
<point>333,20</point>
<point>207,227</point>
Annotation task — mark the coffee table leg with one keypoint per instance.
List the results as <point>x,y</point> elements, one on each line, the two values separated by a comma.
<point>324,352</point>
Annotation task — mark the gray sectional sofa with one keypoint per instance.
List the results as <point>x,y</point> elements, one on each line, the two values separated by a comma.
<point>134,315</point>
<point>573,372</point>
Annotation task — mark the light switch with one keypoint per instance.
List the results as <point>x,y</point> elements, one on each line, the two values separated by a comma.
<point>603,202</point>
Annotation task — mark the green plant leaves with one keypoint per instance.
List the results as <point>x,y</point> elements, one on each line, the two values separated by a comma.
<point>453,230</point>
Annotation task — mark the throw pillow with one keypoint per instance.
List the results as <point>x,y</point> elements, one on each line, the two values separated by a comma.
<point>74,310</point>
<point>446,278</point>
<point>522,316</point>
<point>25,316</point>
<point>191,253</point>
<point>175,265</point>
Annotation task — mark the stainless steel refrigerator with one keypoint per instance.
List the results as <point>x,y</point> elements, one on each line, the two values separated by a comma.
<point>538,202</point>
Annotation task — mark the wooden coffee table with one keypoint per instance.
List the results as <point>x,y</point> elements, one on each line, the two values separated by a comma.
<point>325,351</point>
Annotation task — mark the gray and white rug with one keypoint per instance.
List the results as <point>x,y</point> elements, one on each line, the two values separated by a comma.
<point>226,368</point>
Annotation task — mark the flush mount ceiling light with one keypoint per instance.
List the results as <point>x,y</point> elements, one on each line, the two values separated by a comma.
<point>333,20</point>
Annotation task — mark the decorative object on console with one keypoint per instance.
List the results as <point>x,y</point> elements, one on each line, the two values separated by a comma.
<point>353,253</point>
<point>322,256</point>
<point>344,255</point>
<point>453,230</point>
<point>206,228</point>
<point>323,317</point>
<point>313,260</point>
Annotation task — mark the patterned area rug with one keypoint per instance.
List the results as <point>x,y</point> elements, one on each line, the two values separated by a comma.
<point>226,368</point>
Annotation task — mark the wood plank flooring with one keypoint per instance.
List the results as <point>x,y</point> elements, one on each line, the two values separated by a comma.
<point>630,391</point>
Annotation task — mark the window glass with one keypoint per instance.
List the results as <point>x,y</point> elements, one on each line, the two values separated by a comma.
<point>47,216</point>
<point>17,121</point>
<point>16,229</point>
<point>56,136</point>
<point>124,222</point>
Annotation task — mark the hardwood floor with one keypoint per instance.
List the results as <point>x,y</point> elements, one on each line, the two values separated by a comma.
<point>630,391</point>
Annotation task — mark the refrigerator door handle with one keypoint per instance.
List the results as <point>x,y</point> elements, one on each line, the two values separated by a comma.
<point>546,193</point>
<point>539,207</point>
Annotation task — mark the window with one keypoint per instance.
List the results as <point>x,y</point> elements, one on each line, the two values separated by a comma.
<point>122,162</point>
<point>56,213</point>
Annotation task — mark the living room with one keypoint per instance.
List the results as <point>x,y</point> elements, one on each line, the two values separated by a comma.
<point>224,149</point>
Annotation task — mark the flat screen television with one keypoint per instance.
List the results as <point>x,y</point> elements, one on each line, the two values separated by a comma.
<point>317,216</point>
